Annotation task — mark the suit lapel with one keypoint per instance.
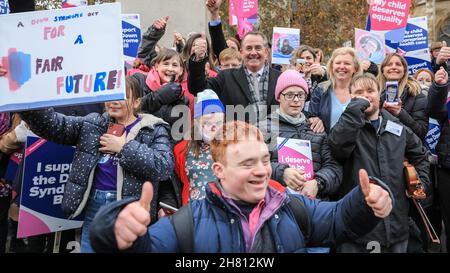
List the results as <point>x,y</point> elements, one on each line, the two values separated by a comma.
<point>241,79</point>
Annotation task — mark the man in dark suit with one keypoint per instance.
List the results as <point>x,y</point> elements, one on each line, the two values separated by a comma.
<point>252,85</point>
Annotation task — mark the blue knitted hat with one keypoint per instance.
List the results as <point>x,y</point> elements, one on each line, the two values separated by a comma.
<point>207,102</point>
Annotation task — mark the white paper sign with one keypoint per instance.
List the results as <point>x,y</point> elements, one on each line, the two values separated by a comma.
<point>61,57</point>
<point>285,41</point>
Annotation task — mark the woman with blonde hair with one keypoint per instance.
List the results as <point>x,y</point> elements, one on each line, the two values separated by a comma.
<point>331,98</point>
<point>412,103</point>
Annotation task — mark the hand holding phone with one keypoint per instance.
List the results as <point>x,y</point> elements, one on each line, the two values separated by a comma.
<point>116,129</point>
<point>392,92</point>
<point>114,139</point>
<point>168,209</point>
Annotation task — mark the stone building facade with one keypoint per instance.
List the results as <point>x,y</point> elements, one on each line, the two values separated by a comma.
<point>438,14</point>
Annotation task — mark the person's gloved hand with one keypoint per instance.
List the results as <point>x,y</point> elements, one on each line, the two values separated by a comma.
<point>169,93</point>
<point>21,131</point>
<point>359,102</point>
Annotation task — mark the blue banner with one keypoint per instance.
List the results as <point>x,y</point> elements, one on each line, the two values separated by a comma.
<point>4,7</point>
<point>131,33</point>
<point>432,138</point>
<point>13,164</point>
<point>414,46</point>
<point>46,170</point>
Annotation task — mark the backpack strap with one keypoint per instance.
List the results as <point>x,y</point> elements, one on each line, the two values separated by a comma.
<point>301,216</point>
<point>183,223</point>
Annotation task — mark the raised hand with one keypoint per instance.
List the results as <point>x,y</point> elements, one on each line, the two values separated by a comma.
<point>316,69</point>
<point>444,54</point>
<point>441,76</point>
<point>213,7</point>
<point>134,219</point>
<point>365,65</point>
<point>161,23</point>
<point>376,197</point>
<point>200,48</point>
<point>178,38</point>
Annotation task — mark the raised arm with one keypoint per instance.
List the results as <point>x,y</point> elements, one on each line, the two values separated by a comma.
<point>356,214</point>
<point>56,127</point>
<point>123,227</point>
<point>154,33</point>
<point>437,96</point>
<point>215,27</point>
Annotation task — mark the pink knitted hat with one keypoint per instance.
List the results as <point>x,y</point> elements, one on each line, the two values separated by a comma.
<point>287,79</point>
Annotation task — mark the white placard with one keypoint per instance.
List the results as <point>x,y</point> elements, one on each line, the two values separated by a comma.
<point>61,57</point>
<point>284,42</point>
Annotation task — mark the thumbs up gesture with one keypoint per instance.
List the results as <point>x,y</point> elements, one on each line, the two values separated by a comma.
<point>444,54</point>
<point>200,47</point>
<point>441,76</point>
<point>3,71</point>
<point>133,220</point>
<point>161,23</point>
<point>376,197</point>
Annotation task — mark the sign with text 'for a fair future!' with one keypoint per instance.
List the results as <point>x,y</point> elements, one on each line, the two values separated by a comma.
<point>61,57</point>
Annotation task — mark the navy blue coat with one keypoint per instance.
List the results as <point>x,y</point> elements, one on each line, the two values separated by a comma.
<point>320,104</point>
<point>217,228</point>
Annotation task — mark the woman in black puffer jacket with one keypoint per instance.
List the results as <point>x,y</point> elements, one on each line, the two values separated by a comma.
<point>107,167</point>
<point>412,108</point>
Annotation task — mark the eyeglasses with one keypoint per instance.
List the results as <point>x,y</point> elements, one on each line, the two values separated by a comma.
<point>291,96</point>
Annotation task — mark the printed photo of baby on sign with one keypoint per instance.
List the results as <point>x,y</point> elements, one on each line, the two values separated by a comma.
<point>369,46</point>
<point>285,41</point>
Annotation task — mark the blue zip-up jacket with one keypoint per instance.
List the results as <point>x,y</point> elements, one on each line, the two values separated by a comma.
<point>217,227</point>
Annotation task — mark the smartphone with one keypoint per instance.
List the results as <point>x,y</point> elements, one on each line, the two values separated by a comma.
<point>392,92</point>
<point>115,129</point>
<point>301,61</point>
<point>168,209</point>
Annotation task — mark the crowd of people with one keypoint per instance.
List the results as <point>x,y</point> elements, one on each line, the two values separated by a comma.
<point>219,164</point>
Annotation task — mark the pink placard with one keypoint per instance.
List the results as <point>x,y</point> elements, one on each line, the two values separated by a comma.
<point>388,14</point>
<point>247,9</point>
<point>297,154</point>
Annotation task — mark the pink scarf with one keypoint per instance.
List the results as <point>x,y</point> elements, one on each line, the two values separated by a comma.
<point>153,81</point>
